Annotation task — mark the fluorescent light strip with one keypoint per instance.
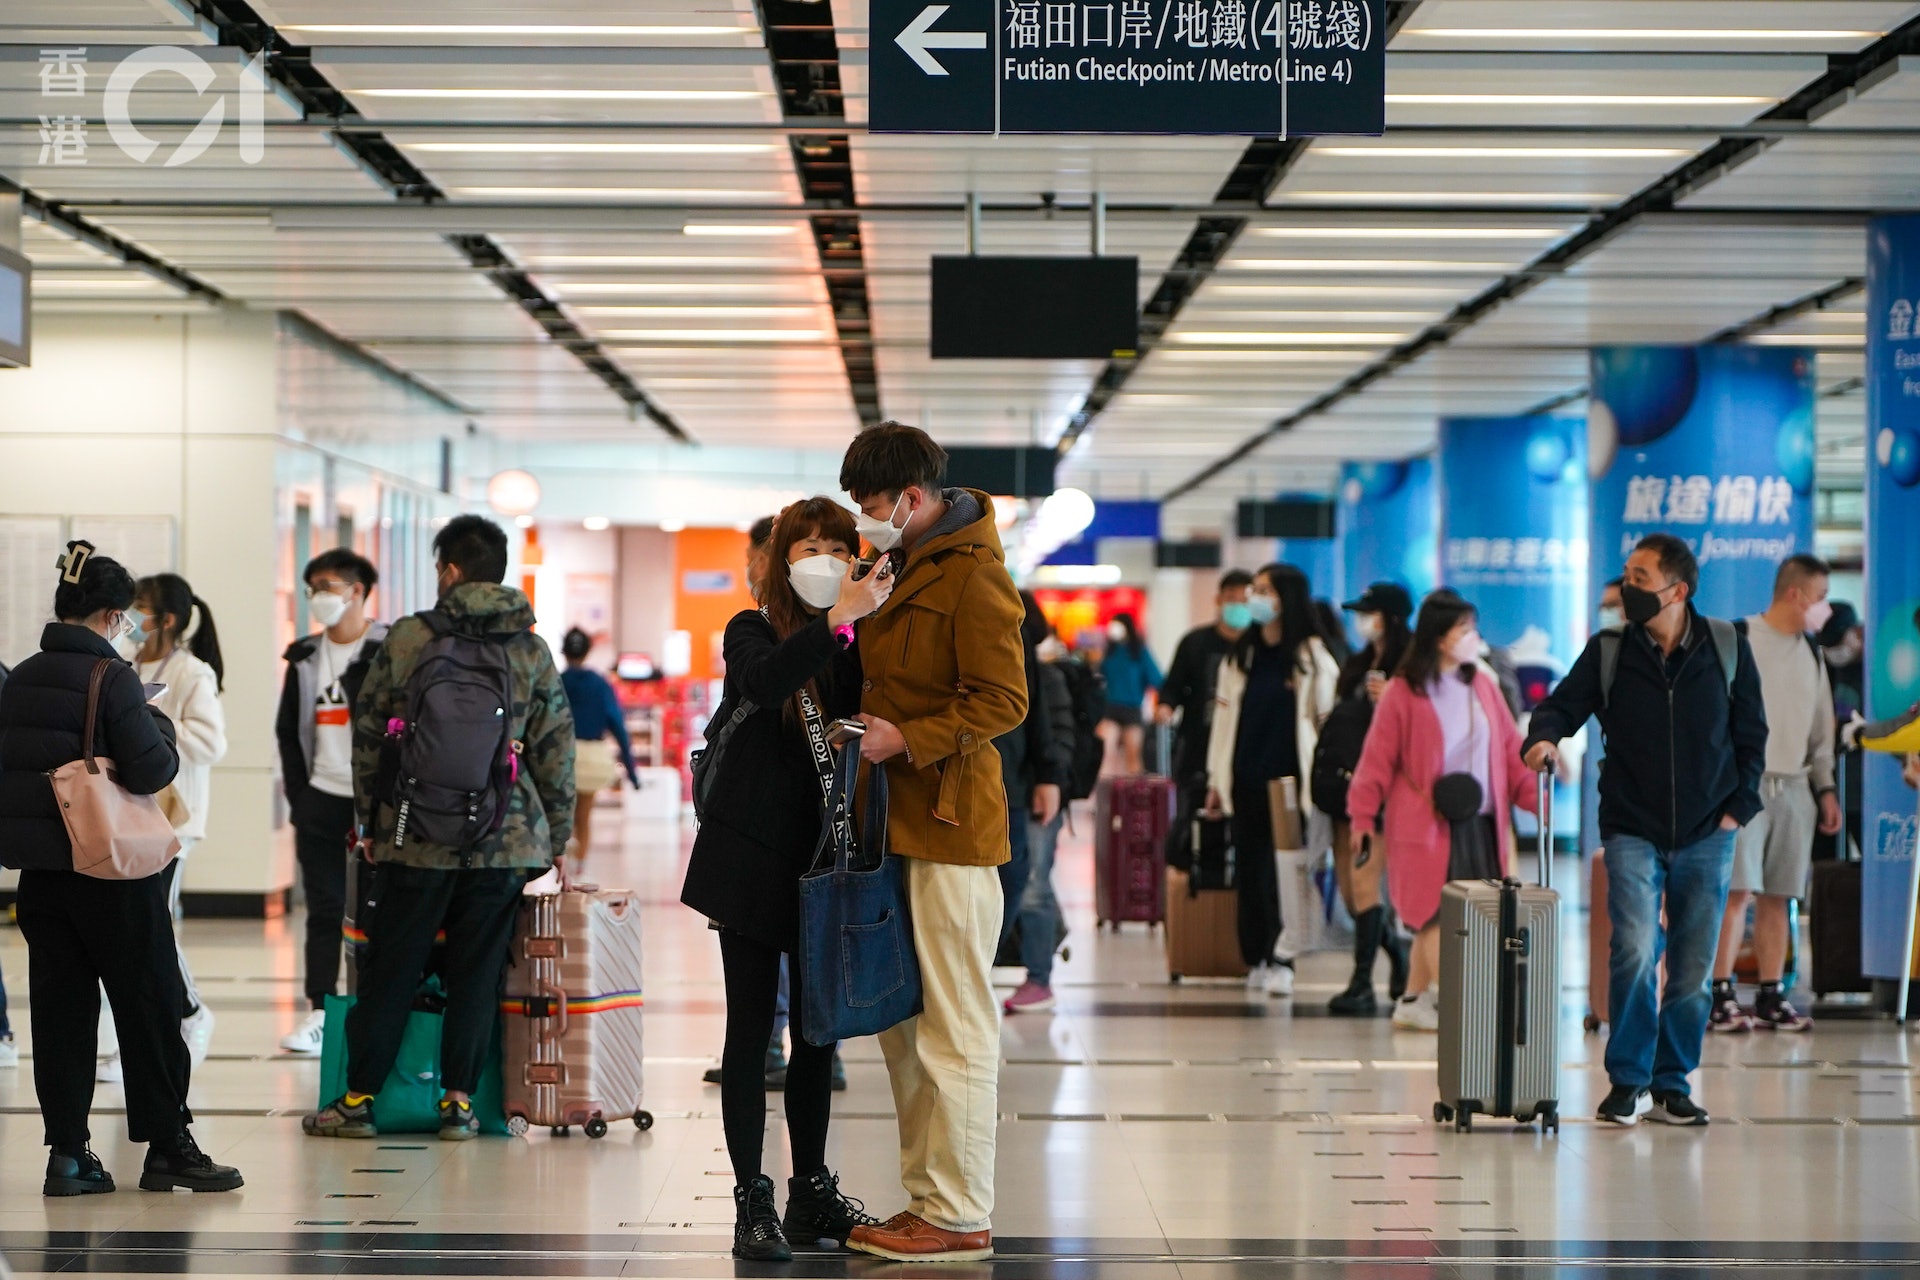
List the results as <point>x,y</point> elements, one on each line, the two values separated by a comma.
<point>1325,317</point>
<point>1504,153</point>
<point>1282,357</point>
<point>596,148</point>
<point>1576,100</point>
<point>576,261</point>
<point>1334,291</point>
<point>583,288</point>
<point>1635,33</point>
<point>739,230</point>
<point>1236,338</point>
<point>804,313</point>
<point>1361,264</point>
<point>510,29</point>
<point>1808,340</point>
<point>1445,197</point>
<point>711,335</point>
<point>1410,233</point>
<point>616,193</point>
<point>571,95</point>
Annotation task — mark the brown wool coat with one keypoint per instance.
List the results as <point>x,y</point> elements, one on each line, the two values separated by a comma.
<point>943,661</point>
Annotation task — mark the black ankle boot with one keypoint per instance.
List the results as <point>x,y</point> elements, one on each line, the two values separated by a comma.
<point>178,1163</point>
<point>756,1224</point>
<point>75,1171</point>
<point>1358,1000</point>
<point>816,1210</point>
<point>1399,949</point>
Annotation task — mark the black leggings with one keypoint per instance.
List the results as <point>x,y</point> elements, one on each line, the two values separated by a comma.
<point>753,981</point>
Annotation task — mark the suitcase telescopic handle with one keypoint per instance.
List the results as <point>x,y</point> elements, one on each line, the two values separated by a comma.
<point>1546,828</point>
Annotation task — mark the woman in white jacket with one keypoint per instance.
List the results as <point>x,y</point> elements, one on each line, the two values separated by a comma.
<point>1276,689</point>
<point>179,648</point>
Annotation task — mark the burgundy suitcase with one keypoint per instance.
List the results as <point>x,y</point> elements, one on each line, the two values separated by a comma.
<point>1131,819</point>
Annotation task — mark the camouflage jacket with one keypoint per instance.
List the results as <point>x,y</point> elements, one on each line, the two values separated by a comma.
<point>540,814</point>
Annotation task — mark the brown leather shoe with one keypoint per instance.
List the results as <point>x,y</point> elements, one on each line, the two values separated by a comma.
<point>908,1238</point>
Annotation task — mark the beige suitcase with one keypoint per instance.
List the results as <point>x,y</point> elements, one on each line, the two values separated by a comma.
<point>572,1010</point>
<point>1203,931</point>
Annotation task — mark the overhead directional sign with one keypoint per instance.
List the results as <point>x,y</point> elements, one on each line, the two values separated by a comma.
<point>1291,68</point>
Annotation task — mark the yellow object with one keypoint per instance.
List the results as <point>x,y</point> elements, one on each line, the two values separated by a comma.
<point>1902,741</point>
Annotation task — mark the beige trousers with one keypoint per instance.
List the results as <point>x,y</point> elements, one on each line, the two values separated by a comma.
<point>945,1063</point>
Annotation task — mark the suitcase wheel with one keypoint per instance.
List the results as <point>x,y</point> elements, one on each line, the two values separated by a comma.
<point>560,1131</point>
<point>643,1120</point>
<point>1442,1113</point>
<point>1550,1120</point>
<point>595,1128</point>
<point>1173,978</point>
<point>517,1126</point>
<point>1591,1024</point>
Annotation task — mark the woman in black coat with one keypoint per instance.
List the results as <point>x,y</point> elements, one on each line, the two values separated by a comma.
<point>794,660</point>
<point>84,933</point>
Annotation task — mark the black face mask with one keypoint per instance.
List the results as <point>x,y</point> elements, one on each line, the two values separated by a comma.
<point>1639,604</point>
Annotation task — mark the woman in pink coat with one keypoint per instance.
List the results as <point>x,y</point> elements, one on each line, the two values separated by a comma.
<point>1442,761</point>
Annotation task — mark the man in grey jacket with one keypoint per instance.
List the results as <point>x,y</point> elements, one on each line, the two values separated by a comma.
<point>315,732</point>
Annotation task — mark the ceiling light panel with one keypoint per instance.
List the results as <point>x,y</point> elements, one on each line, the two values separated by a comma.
<point>1597,89</point>
<point>528,92</point>
<point>1825,26</point>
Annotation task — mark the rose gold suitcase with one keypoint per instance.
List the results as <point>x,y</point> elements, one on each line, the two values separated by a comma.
<point>572,1010</point>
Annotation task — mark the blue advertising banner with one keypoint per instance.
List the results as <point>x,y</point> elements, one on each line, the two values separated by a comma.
<point>1892,611</point>
<point>1388,527</point>
<point>1714,444</point>
<point>1513,530</point>
<point>1315,557</point>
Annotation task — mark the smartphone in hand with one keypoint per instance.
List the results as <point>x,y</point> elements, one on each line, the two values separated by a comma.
<point>843,731</point>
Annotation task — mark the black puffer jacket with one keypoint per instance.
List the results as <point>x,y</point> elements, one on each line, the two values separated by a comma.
<point>764,815</point>
<point>43,714</point>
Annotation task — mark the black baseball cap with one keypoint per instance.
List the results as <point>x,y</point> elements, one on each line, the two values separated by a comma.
<point>1389,598</point>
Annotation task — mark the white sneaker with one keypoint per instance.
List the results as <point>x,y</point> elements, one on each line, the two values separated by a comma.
<point>308,1036</point>
<point>109,1070</point>
<point>1280,979</point>
<point>9,1053</point>
<point>1417,1013</point>
<point>197,1031</point>
<point>1257,978</point>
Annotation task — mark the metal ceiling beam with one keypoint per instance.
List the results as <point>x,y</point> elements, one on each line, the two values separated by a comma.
<point>1846,77</point>
<point>235,24</point>
<point>806,58</point>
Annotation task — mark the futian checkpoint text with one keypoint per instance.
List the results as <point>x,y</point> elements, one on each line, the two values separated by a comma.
<point>1199,70</point>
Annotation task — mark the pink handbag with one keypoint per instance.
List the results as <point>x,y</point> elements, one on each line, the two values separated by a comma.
<point>116,835</point>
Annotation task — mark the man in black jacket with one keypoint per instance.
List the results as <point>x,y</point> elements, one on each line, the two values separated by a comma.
<point>1195,669</point>
<point>1678,697</point>
<point>315,732</point>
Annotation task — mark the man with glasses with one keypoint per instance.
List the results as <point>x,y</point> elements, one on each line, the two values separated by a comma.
<point>1678,698</point>
<point>314,726</point>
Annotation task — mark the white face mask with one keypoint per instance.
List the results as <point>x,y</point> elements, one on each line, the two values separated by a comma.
<point>327,608</point>
<point>1117,633</point>
<point>1817,614</point>
<point>1466,649</point>
<point>1611,618</point>
<point>817,579</point>
<point>1367,626</point>
<point>883,534</point>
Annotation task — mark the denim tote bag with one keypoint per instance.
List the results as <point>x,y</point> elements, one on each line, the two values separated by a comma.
<point>858,969</point>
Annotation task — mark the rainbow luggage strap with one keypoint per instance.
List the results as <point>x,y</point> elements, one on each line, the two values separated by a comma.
<point>543,1006</point>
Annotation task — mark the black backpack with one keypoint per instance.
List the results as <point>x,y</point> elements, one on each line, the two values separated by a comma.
<point>1089,689</point>
<point>1337,755</point>
<point>454,758</point>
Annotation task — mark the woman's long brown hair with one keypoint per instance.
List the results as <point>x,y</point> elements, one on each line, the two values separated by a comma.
<point>821,518</point>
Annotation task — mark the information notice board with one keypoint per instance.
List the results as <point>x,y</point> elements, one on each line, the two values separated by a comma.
<point>1291,68</point>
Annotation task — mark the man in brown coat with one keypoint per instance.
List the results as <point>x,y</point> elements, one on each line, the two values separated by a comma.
<point>945,676</point>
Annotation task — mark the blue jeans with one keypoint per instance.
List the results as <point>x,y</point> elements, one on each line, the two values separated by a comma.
<point>780,1002</point>
<point>1039,909</point>
<point>1657,1036</point>
<point>1013,872</point>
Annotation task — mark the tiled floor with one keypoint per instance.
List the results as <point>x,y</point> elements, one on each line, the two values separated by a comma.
<point>1147,1130</point>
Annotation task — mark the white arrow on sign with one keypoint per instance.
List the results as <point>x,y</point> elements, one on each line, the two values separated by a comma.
<point>917,39</point>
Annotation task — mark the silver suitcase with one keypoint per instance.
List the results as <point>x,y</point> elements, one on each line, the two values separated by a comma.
<point>1499,995</point>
